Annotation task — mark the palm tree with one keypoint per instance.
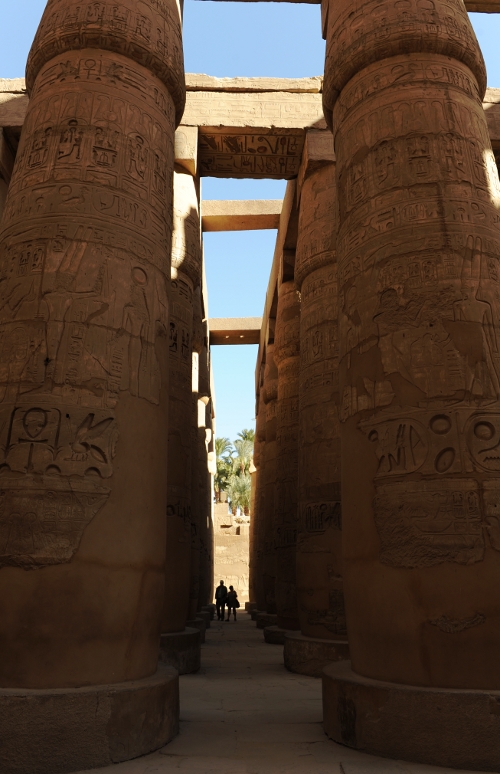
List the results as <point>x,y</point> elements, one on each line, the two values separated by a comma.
<point>247,435</point>
<point>223,456</point>
<point>240,490</point>
<point>244,454</point>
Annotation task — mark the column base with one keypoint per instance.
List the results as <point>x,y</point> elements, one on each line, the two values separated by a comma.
<point>181,650</point>
<point>310,655</point>
<point>198,623</point>
<point>274,635</point>
<point>55,731</point>
<point>266,619</point>
<point>210,609</point>
<point>206,617</point>
<point>254,613</point>
<point>249,606</point>
<point>439,726</point>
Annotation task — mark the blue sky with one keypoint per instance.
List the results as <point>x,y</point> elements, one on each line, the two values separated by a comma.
<point>231,39</point>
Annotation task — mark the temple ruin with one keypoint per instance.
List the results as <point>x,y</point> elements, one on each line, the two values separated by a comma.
<point>374,539</point>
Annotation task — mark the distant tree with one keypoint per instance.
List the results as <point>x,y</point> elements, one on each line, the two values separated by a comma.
<point>243,457</point>
<point>224,465</point>
<point>240,490</point>
<point>247,435</point>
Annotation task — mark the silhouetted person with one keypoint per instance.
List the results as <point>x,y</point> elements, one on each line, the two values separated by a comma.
<point>220,600</point>
<point>232,603</point>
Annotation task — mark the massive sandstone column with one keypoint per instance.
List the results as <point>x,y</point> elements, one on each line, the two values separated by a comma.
<point>270,396</point>
<point>257,591</point>
<point>418,254</point>
<point>85,253</point>
<point>198,440</point>
<point>178,647</point>
<point>287,359</point>
<point>320,596</point>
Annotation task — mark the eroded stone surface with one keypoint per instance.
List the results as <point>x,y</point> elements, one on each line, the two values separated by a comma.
<point>270,395</point>
<point>418,253</point>
<point>319,542</point>
<point>186,274</point>
<point>287,358</point>
<point>84,319</point>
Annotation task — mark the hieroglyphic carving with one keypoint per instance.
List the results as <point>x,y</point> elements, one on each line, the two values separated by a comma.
<point>321,606</point>
<point>452,625</point>
<point>92,334</point>
<point>250,155</point>
<point>418,252</point>
<point>52,467</point>
<point>423,523</point>
<point>182,524</point>
<point>451,523</point>
<point>148,33</point>
<point>83,280</point>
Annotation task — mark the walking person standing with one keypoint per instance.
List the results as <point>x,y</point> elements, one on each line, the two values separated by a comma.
<point>220,600</point>
<point>232,603</point>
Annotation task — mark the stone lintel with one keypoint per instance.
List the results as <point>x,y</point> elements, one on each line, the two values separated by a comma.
<point>318,150</point>
<point>271,109</point>
<point>202,82</point>
<point>480,6</point>
<point>240,215</point>
<point>186,148</point>
<point>235,330</point>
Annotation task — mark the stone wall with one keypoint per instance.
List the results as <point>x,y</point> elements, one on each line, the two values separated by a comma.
<point>232,546</point>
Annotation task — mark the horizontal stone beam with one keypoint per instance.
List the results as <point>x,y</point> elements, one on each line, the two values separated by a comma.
<point>202,82</point>
<point>254,109</point>
<point>480,6</point>
<point>241,134</point>
<point>240,215</point>
<point>234,330</point>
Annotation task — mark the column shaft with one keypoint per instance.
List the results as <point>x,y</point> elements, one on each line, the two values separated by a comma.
<point>270,396</point>
<point>84,319</point>
<point>186,274</point>
<point>287,358</point>
<point>418,252</point>
<point>319,543</point>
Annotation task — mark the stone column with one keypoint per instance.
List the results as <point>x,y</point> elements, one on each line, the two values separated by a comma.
<point>257,534</point>
<point>320,596</point>
<point>287,359</point>
<point>84,253</point>
<point>180,647</point>
<point>270,396</point>
<point>198,449</point>
<point>206,532</point>
<point>418,254</point>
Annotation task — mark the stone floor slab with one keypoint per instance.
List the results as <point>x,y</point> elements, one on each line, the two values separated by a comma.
<point>244,713</point>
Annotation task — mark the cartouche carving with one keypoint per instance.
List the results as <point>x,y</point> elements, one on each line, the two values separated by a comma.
<point>419,308</point>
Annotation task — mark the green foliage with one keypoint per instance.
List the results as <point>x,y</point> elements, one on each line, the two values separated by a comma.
<point>233,469</point>
<point>224,465</point>
<point>247,435</point>
<point>240,491</point>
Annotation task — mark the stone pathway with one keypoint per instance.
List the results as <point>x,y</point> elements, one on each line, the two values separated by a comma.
<point>243,713</point>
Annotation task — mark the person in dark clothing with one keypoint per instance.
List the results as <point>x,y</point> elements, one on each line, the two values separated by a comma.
<point>232,603</point>
<point>220,600</point>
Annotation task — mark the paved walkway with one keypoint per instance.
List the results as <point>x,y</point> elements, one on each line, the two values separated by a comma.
<point>243,713</point>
